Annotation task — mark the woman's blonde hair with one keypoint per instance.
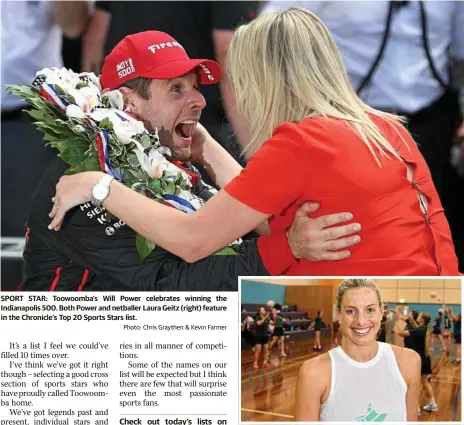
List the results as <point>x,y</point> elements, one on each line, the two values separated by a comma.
<point>348,284</point>
<point>286,67</point>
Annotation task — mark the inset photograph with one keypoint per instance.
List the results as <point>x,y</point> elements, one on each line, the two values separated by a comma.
<point>354,349</point>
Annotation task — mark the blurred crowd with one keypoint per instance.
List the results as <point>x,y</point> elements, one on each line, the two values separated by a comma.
<point>405,57</point>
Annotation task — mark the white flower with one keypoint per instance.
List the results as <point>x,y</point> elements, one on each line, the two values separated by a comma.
<point>154,164</point>
<point>47,71</point>
<point>73,111</point>
<point>66,86</point>
<point>158,164</point>
<point>124,127</point>
<point>115,98</point>
<point>86,97</point>
<point>100,114</point>
<point>125,130</point>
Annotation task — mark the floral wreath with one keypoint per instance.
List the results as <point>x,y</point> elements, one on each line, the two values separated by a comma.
<point>92,132</point>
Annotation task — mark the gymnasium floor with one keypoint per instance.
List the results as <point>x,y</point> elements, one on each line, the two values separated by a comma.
<point>268,394</point>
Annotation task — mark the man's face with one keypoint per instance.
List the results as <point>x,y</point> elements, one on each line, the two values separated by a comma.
<point>174,108</point>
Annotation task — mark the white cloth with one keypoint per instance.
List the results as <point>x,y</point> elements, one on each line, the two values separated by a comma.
<point>403,80</point>
<point>370,391</point>
<point>30,41</point>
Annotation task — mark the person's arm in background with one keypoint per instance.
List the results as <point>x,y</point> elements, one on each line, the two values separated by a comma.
<point>457,53</point>
<point>94,39</point>
<point>226,17</point>
<point>72,16</point>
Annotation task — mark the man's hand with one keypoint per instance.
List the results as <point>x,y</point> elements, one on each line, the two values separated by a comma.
<point>315,239</point>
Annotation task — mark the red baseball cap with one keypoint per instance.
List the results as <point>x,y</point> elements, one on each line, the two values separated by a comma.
<point>156,55</point>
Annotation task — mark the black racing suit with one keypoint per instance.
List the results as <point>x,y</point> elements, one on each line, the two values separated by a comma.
<point>89,253</point>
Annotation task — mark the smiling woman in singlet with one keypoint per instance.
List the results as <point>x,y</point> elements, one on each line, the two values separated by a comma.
<point>363,379</point>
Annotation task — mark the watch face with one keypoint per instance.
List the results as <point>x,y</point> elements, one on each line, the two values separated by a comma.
<point>99,192</point>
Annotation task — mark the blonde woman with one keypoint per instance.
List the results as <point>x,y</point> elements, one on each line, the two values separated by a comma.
<point>312,138</point>
<point>361,380</point>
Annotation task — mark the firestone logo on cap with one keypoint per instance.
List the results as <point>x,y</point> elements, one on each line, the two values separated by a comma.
<point>154,47</point>
<point>125,67</point>
<point>207,72</point>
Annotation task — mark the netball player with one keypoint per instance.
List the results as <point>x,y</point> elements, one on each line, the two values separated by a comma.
<point>418,340</point>
<point>436,331</point>
<point>261,341</point>
<point>361,380</point>
<point>278,335</point>
<point>456,318</point>
<point>318,325</point>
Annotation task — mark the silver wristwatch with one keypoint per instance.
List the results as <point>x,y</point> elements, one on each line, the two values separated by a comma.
<point>101,190</point>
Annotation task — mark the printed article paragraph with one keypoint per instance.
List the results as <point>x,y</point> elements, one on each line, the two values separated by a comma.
<point>126,359</point>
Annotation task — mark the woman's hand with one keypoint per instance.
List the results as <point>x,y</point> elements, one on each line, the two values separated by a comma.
<point>199,138</point>
<point>70,192</point>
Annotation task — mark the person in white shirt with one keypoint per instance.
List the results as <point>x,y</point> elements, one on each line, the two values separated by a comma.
<point>399,55</point>
<point>361,380</point>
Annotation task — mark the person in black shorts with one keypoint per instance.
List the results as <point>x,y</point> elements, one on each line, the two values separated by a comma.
<point>418,340</point>
<point>456,319</point>
<point>278,335</point>
<point>411,323</point>
<point>436,331</point>
<point>318,325</point>
<point>261,341</point>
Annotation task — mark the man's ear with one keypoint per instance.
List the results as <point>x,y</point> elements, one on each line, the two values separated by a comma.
<point>129,99</point>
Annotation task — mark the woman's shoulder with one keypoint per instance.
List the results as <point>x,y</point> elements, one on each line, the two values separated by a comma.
<point>408,360</point>
<point>308,125</point>
<point>316,368</point>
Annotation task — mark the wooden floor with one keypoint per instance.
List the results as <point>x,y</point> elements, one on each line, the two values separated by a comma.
<point>268,394</point>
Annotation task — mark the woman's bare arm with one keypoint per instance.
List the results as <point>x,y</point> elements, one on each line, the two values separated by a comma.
<point>313,379</point>
<point>409,363</point>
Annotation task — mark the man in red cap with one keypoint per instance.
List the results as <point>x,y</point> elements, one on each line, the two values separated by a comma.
<point>160,86</point>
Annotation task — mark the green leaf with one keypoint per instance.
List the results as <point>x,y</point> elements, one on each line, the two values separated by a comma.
<point>37,115</point>
<point>145,141</point>
<point>155,186</point>
<point>89,164</point>
<point>226,251</point>
<point>74,154</point>
<point>144,246</point>
<point>170,188</point>
<point>81,85</point>
<point>105,124</point>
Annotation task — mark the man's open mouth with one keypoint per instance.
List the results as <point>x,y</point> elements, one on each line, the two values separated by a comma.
<point>186,128</point>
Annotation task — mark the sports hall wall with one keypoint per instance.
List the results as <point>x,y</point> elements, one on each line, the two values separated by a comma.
<point>312,295</point>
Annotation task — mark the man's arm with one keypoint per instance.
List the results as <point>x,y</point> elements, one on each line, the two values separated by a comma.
<point>71,16</point>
